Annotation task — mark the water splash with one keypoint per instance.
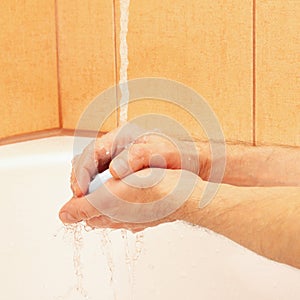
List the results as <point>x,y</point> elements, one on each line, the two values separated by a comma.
<point>124,14</point>
<point>74,231</point>
<point>106,247</point>
<point>131,257</point>
<point>139,245</point>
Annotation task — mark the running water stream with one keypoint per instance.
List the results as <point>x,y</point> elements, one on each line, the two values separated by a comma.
<point>130,258</point>
<point>124,16</point>
<point>132,246</point>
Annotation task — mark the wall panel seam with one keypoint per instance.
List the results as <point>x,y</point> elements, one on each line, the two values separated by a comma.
<point>60,116</point>
<point>115,59</point>
<point>254,73</point>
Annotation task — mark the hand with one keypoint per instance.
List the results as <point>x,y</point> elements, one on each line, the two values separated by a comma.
<point>128,149</point>
<point>138,200</point>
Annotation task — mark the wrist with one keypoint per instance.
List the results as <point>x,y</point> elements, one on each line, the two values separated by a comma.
<point>214,213</point>
<point>204,159</point>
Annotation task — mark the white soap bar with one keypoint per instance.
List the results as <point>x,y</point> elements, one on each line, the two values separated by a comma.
<point>99,179</point>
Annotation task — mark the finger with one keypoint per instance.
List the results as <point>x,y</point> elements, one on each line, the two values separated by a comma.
<point>118,139</point>
<point>76,210</point>
<point>111,199</point>
<point>80,174</point>
<point>128,203</point>
<point>82,208</point>
<point>73,182</point>
<point>96,156</point>
<point>142,197</point>
<point>136,158</point>
<point>125,135</point>
<point>99,222</point>
<point>79,188</point>
<point>105,222</point>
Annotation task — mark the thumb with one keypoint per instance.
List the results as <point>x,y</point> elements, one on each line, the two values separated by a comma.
<point>76,210</point>
<point>82,208</point>
<point>130,160</point>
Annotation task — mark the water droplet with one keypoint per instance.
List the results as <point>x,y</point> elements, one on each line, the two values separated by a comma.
<point>88,228</point>
<point>76,231</point>
<point>145,139</point>
<point>55,234</point>
<point>128,146</point>
<point>107,251</point>
<point>139,243</point>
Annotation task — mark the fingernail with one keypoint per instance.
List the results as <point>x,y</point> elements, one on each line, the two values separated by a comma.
<point>120,167</point>
<point>67,218</point>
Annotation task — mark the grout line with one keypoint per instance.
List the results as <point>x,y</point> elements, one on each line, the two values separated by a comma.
<point>254,73</point>
<point>81,132</point>
<point>116,60</point>
<point>46,133</point>
<point>30,136</point>
<point>60,117</point>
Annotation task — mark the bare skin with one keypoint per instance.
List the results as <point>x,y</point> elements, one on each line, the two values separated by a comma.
<point>257,204</point>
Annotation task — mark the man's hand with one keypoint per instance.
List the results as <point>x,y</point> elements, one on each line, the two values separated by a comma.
<point>265,220</point>
<point>252,216</point>
<point>128,149</point>
<point>145,198</point>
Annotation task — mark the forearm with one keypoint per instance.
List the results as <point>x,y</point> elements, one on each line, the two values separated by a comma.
<point>265,220</point>
<point>255,165</point>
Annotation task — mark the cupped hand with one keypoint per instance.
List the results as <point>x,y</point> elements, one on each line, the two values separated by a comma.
<point>145,198</point>
<point>128,149</point>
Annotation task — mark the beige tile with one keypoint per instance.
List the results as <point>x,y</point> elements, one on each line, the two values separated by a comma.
<point>206,45</point>
<point>28,81</point>
<point>278,65</point>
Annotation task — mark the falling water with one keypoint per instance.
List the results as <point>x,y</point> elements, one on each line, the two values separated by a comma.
<point>130,256</point>
<point>78,243</point>
<point>106,247</point>
<point>124,14</point>
<point>128,261</point>
<point>74,232</point>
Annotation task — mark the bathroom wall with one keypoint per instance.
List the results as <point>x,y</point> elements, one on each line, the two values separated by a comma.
<point>86,57</point>
<point>241,56</point>
<point>277,102</point>
<point>28,70</point>
<point>207,45</point>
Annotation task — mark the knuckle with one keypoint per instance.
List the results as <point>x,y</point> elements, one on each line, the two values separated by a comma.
<point>138,151</point>
<point>83,212</point>
<point>75,160</point>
